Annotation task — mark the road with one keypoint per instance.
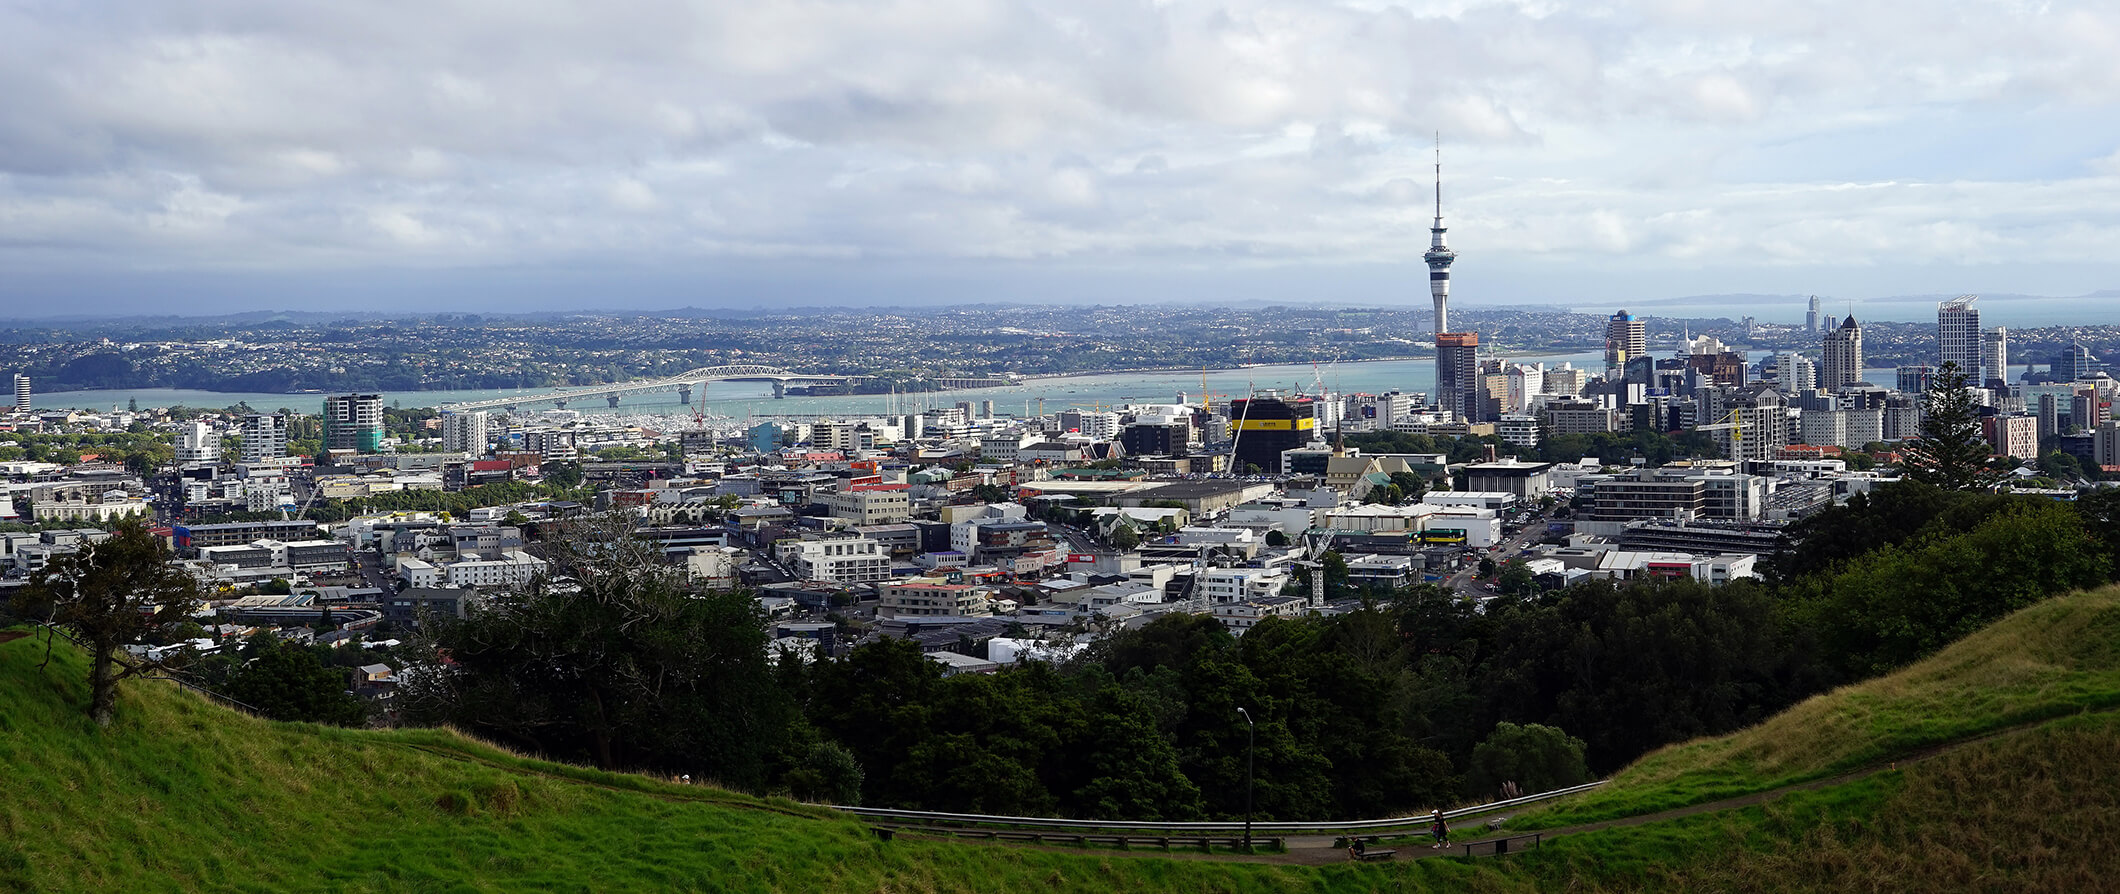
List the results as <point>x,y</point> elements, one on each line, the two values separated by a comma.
<point>1466,583</point>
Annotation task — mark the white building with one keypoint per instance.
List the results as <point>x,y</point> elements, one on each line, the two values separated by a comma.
<point>512,568</point>
<point>1242,616</point>
<point>714,567</point>
<point>1520,429</point>
<point>1236,584</point>
<point>198,444</point>
<point>850,560</point>
<point>264,437</point>
<point>871,505</point>
<point>465,433</point>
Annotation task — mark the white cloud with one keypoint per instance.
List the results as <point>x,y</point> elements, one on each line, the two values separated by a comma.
<point>1638,138</point>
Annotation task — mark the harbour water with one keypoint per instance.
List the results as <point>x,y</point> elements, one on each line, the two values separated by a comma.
<point>755,399</point>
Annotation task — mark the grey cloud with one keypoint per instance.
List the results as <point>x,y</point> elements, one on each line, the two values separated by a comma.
<point>241,134</point>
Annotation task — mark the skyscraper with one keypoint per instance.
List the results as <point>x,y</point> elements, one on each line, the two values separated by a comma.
<point>1958,337</point>
<point>264,437</point>
<point>464,433</point>
<point>354,422</point>
<point>2074,363</point>
<point>1842,364</point>
<point>1626,337</point>
<point>21,393</point>
<point>1995,356</point>
<point>1264,425</point>
<point>1457,367</point>
<point>1810,320</point>
<point>1439,255</point>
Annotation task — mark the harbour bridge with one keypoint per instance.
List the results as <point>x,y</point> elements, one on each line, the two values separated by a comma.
<point>683,383</point>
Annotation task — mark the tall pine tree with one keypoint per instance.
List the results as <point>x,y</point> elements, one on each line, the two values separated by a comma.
<point>1950,453</point>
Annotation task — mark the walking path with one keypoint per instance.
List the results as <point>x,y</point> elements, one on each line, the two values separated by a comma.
<point>1320,850</point>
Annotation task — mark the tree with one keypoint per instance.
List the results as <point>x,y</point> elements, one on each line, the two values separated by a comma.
<point>2061,466</point>
<point>563,474</point>
<point>1276,538</point>
<point>287,682</point>
<point>613,660</point>
<point>1516,579</point>
<point>1950,453</point>
<point>108,595</point>
<point>1536,757</point>
<point>1123,536</point>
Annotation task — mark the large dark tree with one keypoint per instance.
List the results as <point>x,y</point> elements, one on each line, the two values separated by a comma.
<point>288,682</point>
<point>1950,453</point>
<point>108,595</point>
<point>614,660</point>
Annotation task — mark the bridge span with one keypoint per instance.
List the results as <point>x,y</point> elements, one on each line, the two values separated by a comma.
<point>684,384</point>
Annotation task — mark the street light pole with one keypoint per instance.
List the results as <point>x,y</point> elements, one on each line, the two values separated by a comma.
<point>1251,737</point>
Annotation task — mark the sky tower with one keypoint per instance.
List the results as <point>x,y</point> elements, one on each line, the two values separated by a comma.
<point>1439,255</point>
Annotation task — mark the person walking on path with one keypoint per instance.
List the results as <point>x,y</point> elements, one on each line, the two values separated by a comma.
<point>1440,829</point>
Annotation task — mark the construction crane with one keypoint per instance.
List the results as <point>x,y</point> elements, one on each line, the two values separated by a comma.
<point>1734,423</point>
<point>1313,559</point>
<point>304,511</point>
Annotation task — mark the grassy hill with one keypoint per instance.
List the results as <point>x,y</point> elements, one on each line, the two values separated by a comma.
<point>181,794</point>
<point>2056,658</point>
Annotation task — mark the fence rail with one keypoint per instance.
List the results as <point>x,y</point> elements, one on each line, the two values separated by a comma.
<point>1217,828</point>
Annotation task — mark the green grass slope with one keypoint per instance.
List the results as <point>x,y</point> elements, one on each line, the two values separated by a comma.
<point>182,794</point>
<point>2056,658</point>
<point>2033,809</point>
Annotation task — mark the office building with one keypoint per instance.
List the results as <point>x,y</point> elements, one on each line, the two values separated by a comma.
<point>1626,337</point>
<point>2105,449</point>
<point>1810,320</point>
<point>264,437</point>
<point>464,433</point>
<point>1915,379</point>
<point>1457,369</point>
<point>1265,425</point>
<point>21,393</point>
<point>354,422</point>
<point>1995,357</point>
<point>1958,337</point>
<point>2013,435</point>
<point>1842,364</point>
<point>2075,363</point>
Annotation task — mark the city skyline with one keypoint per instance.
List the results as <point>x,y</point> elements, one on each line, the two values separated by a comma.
<point>248,156</point>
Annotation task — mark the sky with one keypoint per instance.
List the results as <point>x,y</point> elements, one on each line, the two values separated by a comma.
<point>222,155</point>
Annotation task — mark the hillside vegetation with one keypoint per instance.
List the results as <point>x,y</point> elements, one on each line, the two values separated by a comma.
<point>182,794</point>
<point>2058,657</point>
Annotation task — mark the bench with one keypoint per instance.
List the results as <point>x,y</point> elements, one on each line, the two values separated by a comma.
<point>1380,854</point>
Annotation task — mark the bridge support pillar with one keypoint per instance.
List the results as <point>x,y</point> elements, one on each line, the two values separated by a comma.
<point>684,395</point>
<point>612,400</point>
<point>780,389</point>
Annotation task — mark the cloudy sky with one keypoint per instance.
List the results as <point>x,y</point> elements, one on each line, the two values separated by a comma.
<point>227,154</point>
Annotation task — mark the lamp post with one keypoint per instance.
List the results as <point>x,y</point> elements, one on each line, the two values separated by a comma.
<point>1251,735</point>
